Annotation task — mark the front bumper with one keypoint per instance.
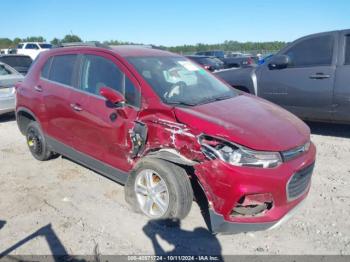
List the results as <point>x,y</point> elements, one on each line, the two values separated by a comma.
<point>225,185</point>
<point>220,225</point>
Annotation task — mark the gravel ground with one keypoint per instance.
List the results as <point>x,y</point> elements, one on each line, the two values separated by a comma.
<point>59,206</point>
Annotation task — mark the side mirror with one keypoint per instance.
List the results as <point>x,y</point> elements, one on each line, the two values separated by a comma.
<point>279,62</point>
<point>111,95</point>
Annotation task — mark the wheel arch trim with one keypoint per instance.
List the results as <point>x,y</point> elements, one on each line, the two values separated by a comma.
<point>27,111</point>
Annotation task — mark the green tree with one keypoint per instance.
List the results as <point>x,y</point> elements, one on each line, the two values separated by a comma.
<point>229,45</point>
<point>71,39</point>
<point>34,39</point>
<point>5,43</point>
<point>55,41</point>
<point>16,41</point>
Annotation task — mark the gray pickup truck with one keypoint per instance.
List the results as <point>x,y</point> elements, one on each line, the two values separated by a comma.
<point>310,77</point>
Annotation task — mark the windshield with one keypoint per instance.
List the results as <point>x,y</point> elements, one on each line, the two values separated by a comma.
<point>45,46</point>
<point>177,80</point>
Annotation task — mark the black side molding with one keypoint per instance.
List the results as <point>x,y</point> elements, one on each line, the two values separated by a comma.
<point>88,161</point>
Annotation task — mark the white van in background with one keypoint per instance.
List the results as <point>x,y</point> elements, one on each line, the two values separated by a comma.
<point>32,49</point>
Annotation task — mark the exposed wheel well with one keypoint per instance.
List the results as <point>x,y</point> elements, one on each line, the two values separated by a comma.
<point>23,120</point>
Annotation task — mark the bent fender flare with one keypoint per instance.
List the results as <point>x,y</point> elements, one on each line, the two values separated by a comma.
<point>171,155</point>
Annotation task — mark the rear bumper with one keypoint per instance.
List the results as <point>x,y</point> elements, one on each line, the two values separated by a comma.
<point>7,104</point>
<point>220,225</point>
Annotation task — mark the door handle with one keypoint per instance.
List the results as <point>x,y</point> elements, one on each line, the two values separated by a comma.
<point>319,76</point>
<point>76,107</point>
<point>38,88</point>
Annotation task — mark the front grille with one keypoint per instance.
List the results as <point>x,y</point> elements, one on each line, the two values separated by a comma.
<point>299,182</point>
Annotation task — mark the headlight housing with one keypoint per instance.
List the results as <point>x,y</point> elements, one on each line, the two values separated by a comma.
<point>238,155</point>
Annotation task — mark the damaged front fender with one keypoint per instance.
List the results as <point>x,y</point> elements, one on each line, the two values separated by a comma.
<point>173,156</point>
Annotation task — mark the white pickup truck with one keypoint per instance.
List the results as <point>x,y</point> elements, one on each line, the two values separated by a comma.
<point>32,49</point>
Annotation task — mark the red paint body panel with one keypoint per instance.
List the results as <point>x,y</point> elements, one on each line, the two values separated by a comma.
<point>246,120</point>
<point>227,184</point>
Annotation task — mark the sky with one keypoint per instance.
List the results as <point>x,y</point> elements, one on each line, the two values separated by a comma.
<point>173,22</point>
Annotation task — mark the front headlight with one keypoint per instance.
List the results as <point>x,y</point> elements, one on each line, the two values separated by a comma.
<point>238,155</point>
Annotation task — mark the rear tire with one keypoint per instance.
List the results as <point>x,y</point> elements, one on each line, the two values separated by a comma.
<point>176,194</point>
<point>37,144</point>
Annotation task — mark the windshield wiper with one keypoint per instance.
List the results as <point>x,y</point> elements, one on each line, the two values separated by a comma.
<point>180,103</point>
<point>213,99</point>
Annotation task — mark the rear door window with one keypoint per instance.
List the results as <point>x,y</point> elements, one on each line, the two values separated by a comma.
<point>46,69</point>
<point>62,69</point>
<point>315,51</point>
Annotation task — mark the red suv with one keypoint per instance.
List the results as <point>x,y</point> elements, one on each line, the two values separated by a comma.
<point>158,123</point>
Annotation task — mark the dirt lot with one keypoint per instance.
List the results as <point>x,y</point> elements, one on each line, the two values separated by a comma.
<point>64,207</point>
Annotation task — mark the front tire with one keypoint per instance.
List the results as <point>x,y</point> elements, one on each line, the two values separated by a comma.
<point>159,189</point>
<point>37,144</point>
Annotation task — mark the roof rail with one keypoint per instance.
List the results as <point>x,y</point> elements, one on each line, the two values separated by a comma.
<point>131,46</point>
<point>93,44</point>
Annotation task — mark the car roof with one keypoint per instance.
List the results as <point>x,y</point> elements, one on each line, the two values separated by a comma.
<point>136,51</point>
<point>123,51</point>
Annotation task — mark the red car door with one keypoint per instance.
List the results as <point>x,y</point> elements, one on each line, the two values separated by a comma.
<point>99,131</point>
<point>56,86</point>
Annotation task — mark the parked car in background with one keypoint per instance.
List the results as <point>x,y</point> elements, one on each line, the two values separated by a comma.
<point>7,51</point>
<point>240,61</point>
<point>208,62</point>
<point>8,78</point>
<point>20,63</point>
<point>32,49</point>
<point>310,77</point>
<point>233,54</point>
<point>158,123</point>
<point>265,59</point>
<point>215,53</point>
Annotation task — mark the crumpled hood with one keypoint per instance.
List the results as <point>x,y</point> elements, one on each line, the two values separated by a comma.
<point>250,121</point>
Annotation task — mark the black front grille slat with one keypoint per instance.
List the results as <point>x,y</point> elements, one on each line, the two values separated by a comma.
<point>298,191</point>
<point>299,182</point>
<point>298,185</point>
<point>301,185</point>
